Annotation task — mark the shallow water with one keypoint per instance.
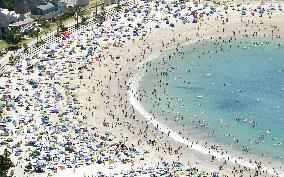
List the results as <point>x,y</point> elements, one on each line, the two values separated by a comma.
<point>235,97</point>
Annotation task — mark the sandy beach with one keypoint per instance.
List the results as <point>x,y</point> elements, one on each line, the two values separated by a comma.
<point>117,98</point>
<point>108,93</point>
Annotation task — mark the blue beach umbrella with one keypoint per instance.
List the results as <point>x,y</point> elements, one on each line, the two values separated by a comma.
<point>99,161</point>
<point>77,130</point>
<point>262,10</point>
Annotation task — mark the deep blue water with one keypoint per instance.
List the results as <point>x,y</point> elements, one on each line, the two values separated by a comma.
<point>238,93</point>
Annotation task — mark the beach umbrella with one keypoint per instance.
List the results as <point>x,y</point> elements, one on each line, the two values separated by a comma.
<point>262,10</point>
<point>54,110</point>
<point>195,20</point>
<point>99,145</point>
<point>172,24</point>
<point>77,130</point>
<point>99,161</point>
<point>61,167</point>
<point>22,118</point>
<point>67,33</point>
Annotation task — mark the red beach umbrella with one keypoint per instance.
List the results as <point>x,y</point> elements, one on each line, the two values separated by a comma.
<point>67,33</point>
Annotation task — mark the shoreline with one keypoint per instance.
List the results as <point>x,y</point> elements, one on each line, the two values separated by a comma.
<point>134,84</point>
<point>101,91</point>
<point>125,78</point>
<point>131,71</point>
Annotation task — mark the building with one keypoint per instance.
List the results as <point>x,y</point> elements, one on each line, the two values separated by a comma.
<point>23,7</point>
<point>47,10</point>
<point>7,17</point>
<point>24,25</point>
<point>44,8</point>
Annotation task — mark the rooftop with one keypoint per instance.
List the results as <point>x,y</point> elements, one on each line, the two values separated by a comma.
<point>45,6</point>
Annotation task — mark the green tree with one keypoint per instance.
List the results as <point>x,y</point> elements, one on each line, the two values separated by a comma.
<point>10,4</point>
<point>39,21</point>
<point>47,24</point>
<point>57,29</point>
<point>62,26</point>
<point>78,13</point>
<point>5,163</point>
<point>103,12</point>
<point>12,35</point>
<point>36,32</point>
<point>84,20</point>
<point>25,46</point>
<point>96,8</point>
<point>118,4</point>
<point>68,12</point>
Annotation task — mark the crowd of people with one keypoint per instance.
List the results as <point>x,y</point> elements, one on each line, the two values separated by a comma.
<point>42,122</point>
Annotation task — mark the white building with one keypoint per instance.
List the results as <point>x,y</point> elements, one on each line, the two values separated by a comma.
<point>7,17</point>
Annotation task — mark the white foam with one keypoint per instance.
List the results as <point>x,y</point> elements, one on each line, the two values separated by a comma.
<point>134,83</point>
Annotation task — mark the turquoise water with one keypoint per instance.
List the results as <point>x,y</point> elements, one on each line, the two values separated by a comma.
<point>233,96</point>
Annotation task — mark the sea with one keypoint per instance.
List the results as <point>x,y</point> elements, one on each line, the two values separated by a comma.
<point>227,92</point>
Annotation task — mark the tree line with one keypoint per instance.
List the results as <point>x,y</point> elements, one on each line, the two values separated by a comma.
<point>5,163</point>
<point>10,4</point>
